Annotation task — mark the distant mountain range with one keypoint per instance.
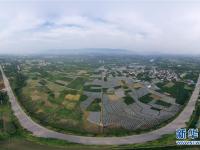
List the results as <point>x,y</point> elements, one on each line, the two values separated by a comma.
<point>93,51</point>
<point>88,51</point>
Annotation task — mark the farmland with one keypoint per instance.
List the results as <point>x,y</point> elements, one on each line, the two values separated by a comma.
<point>82,96</point>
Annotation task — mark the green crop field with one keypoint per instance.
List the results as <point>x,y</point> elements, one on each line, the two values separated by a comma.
<point>95,105</point>
<point>146,99</point>
<point>159,102</point>
<point>178,91</point>
<point>128,100</point>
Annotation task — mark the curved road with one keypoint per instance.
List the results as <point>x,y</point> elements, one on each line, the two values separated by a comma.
<point>40,131</point>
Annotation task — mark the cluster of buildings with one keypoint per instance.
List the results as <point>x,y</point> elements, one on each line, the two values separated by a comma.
<point>163,74</point>
<point>135,71</point>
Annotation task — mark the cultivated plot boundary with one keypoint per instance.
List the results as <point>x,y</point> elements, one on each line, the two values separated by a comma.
<point>40,131</point>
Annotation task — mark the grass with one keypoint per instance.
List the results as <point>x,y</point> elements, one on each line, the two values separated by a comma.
<point>128,100</point>
<point>83,97</point>
<point>92,88</point>
<point>177,91</point>
<point>49,107</point>
<point>195,116</point>
<point>64,78</point>
<point>28,142</point>
<point>67,118</point>
<point>55,144</point>
<point>7,125</point>
<point>54,112</point>
<point>3,98</point>
<point>77,83</point>
<point>165,143</point>
<point>54,115</point>
<point>169,84</point>
<point>146,99</point>
<point>32,143</point>
<point>50,144</point>
<point>94,106</point>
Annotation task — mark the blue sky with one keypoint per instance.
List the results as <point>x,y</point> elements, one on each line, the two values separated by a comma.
<point>143,26</point>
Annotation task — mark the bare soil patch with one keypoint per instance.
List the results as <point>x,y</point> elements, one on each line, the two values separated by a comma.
<point>71,97</point>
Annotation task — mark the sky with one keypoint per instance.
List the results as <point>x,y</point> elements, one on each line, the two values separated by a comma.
<point>145,26</point>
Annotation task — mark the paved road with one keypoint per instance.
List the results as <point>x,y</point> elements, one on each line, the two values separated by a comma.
<point>40,131</point>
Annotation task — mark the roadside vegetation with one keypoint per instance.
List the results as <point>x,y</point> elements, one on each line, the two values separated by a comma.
<point>195,117</point>
<point>7,124</point>
<point>177,91</point>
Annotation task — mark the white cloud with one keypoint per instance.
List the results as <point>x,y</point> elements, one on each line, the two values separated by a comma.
<point>146,27</point>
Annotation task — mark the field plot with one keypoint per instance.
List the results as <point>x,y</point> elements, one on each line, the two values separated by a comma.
<point>86,97</point>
